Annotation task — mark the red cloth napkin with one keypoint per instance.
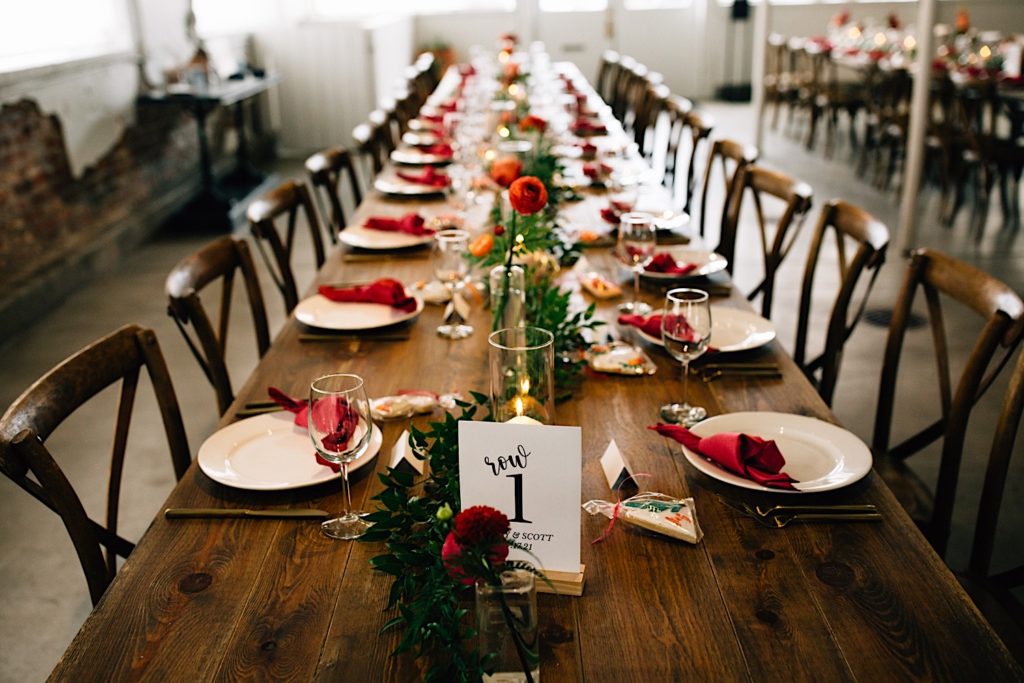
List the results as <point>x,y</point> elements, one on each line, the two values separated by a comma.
<point>430,176</point>
<point>596,170</point>
<point>433,118</point>
<point>748,456</point>
<point>610,215</point>
<point>410,223</point>
<point>649,325</point>
<point>664,262</point>
<point>587,127</point>
<point>589,150</point>
<point>300,407</point>
<point>441,149</point>
<point>384,291</point>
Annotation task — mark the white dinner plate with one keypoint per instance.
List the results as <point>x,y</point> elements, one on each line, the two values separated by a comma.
<point>707,262</point>
<point>319,311</point>
<point>411,138</point>
<point>414,157</point>
<point>270,453</point>
<point>366,238</point>
<point>405,188</point>
<point>819,455</point>
<point>732,330</point>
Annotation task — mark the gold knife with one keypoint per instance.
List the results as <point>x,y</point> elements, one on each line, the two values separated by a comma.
<point>212,513</point>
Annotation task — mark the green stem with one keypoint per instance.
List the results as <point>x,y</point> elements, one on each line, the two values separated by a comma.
<point>499,310</point>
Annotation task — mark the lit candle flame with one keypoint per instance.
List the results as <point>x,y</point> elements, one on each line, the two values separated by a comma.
<point>519,407</point>
<point>985,51</point>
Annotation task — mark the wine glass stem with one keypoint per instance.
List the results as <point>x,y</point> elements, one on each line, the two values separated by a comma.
<point>347,489</point>
<point>636,288</point>
<point>686,378</point>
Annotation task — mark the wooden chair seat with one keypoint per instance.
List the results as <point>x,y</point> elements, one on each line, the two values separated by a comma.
<point>117,358</point>
<point>219,261</point>
<point>939,277</point>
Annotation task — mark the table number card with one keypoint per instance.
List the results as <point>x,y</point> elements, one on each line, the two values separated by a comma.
<point>532,473</point>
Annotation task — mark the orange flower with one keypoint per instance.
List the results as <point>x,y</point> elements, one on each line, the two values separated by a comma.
<point>505,170</point>
<point>963,21</point>
<point>533,122</point>
<point>482,245</point>
<point>528,195</point>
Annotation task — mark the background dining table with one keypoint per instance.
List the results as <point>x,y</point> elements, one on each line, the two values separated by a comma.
<point>212,599</point>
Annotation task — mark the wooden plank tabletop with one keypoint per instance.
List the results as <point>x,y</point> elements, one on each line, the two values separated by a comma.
<point>275,599</point>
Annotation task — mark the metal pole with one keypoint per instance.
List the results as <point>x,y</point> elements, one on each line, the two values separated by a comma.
<point>907,237</point>
<point>762,19</point>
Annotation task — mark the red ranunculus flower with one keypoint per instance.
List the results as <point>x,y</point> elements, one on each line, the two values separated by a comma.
<point>533,122</point>
<point>528,195</point>
<point>505,170</point>
<point>480,524</point>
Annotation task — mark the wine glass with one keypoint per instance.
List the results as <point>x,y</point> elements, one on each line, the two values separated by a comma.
<point>340,427</point>
<point>451,267</point>
<point>685,331</point>
<point>635,249</point>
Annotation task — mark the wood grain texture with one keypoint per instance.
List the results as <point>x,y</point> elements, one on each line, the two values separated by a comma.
<point>225,599</point>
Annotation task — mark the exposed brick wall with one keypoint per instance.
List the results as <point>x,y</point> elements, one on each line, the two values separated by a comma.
<point>46,214</point>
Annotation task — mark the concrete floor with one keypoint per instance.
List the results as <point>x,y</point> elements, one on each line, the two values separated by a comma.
<point>41,586</point>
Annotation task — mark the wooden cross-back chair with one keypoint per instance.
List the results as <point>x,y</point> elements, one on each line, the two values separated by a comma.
<point>326,170</point>
<point>621,87</point>
<point>25,427</point>
<point>606,73</point>
<point>775,243</point>
<point>368,146</point>
<point>851,225</point>
<point>677,107</point>
<point>1001,310</point>
<point>699,127</point>
<point>732,157</point>
<point>993,592</point>
<point>634,95</point>
<point>385,122</point>
<point>651,93</point>
<point>778,80</point>
<point>286,200</point>
<point>220,261</point>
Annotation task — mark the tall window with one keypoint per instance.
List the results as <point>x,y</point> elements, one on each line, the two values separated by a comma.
<point>344,8</point>
<point>39,32</point>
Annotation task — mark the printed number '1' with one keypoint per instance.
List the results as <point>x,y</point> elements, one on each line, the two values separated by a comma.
<point>519,499</point>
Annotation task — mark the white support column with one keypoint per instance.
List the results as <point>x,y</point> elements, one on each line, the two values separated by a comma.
<point>907,237</point>
<point>762,20</point>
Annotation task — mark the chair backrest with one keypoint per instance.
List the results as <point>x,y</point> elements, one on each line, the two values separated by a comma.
<point>605,73</point>
<point>699,127</point>
<point>368,147</point>
<point>651,94</point>
<point>995,480</point>
<point>218,261</point>
<point>1002,313</point>
<point>852,228</point>
<point>621,87</point>
<point>677,107</point>
<point>287,199</point>
<point>325,171</point>
<point>775,242</point>
<point>732,157</point>
<point>33,416</point>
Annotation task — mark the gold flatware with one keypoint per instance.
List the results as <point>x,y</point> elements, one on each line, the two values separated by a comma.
<point>780,520</point>
<point>761,511</point>
<point>356,258</point>
<point>711,376</point>
<point>218,513</point>
<point>778,516</point>
<point>735,365</point>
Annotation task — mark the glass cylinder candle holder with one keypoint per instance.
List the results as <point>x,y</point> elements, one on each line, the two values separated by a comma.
<point>522,375</point>
<point>508,297</point>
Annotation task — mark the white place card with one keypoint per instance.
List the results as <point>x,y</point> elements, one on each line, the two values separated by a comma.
<point>402,456</point>
<point>616,470</point>
<point>532,473</point>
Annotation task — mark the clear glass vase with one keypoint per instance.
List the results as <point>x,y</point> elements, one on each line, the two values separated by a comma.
<point>508,297</point>
<point>506,622</point>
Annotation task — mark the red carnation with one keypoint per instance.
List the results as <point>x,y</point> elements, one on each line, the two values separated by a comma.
<point>455,563</point>
<point>533,122</point>
<point>505,170</point>
<point>479,525</point>
<point>528,195</point>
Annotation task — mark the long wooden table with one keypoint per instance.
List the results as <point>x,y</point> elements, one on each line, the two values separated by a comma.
<point>220,599</point>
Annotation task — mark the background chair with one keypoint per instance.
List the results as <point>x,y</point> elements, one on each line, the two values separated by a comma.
<point>218,261</point>
<point>1001,312</point>
<point>34,415</point>
<point>777,241</point>
<point>847,224</point>
<point>288,199</point>
<point>325,171</point>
